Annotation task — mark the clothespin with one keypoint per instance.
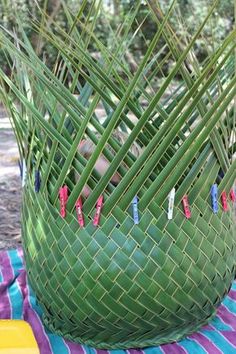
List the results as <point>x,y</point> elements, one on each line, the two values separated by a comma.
<point>98,211</point>
<point>24,173</point>
<point>224,201</point>
<point>221,174</point>
<point>185,202</point>
<point>63,194</point>
<point>37,181</point>
<point>78,206</point>
<point>171,204</point>
<point>232,195</point>
<point>83,141</point>
<point>135,210</point>
<point>214,198</point>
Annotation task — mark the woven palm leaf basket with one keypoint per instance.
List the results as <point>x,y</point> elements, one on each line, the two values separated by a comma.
<point>148,260</point>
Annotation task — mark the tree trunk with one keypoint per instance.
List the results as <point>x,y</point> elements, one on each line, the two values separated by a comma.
<point>53,7</point>
<point>116,6</point>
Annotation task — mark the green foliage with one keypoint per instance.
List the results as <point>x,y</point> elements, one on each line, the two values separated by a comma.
<point>111,14</point>
<point>170,274</point>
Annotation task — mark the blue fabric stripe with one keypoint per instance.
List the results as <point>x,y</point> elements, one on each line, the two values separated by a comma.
<point>89,350</point>
<point>14,292</point>
<point>220,342</point>
<point>34,302</point>
<point>153,350</point>
<point>230,304</point>
<point>220,325</point>
<point>16,261</point>
<point>58,344</point>
<point>192,346</point>
<point>59,347</point>
<point>234,286</point>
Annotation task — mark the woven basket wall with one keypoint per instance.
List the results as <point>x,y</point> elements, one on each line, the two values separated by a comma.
<point>123,284</point>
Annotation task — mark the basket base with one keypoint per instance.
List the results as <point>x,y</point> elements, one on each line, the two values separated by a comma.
<point>138,342</point>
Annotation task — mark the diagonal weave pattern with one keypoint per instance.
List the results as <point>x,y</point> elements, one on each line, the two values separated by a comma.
<point>126,285</point>
<point>121,284</point>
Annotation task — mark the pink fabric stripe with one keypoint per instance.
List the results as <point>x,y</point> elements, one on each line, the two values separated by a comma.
<point>227,317</point>
<point>206,343</point>
<point>173,348</point>
<point>207,328</point>
<point>32,317</point>
<point>8,279</point>
<point>20,254</point>
<point>134,351</point>
<point>232,294</point>
<point>230,336</point>
<point>75,348</point>
<point>101,351</point>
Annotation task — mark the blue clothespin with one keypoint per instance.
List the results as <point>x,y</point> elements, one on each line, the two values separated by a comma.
<point>37,181</point>
<point>221,173</point>
<point>214,198</point>
<point>135,210</point>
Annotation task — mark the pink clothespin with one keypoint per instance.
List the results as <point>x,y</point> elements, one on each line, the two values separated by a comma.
<point>224,201</point>
<point>185,202</point>
<point>232,195</point>
<point>98,211</point>
<point>78,206</point>
<point>83,141</point>
<point>63,193</point>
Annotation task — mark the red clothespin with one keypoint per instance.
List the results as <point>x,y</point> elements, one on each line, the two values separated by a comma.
<point>185,202</point>
<point>232,195</point>
<point>98,211</point>
<point>224,201</point>
<point>63,193</point>
<point>78,206</point>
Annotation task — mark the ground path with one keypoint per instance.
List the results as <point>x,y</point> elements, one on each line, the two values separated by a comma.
<point>10,186</point>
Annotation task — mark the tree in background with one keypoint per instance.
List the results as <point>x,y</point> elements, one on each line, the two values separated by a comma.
<point>114,12</point>
<point>165,278</point>
<point>27,10</point>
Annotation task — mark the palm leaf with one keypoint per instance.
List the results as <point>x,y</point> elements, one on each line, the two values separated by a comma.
<point>125,283</point>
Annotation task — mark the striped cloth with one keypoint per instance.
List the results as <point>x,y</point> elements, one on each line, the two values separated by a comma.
<point>17,301</point>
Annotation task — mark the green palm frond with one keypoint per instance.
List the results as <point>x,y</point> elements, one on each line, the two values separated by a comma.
<point>146,283</point>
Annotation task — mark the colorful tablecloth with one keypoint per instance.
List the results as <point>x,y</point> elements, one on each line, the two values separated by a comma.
<point>18,301</point>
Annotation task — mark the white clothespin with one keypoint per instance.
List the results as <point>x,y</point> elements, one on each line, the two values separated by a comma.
<point>171,204</point>
<point>24,173</point>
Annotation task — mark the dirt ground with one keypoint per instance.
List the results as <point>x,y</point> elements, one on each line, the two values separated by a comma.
<point>10,187</point>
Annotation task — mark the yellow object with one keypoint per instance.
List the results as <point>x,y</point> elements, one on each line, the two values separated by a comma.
<point>16,337</point>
